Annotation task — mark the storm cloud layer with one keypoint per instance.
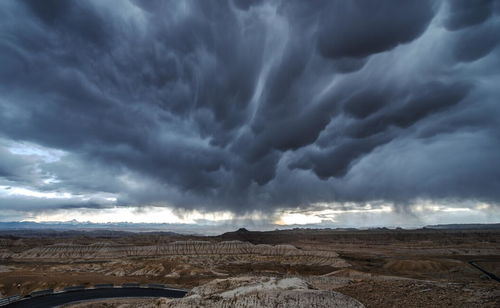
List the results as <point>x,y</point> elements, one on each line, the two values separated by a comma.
<point>248,105</point>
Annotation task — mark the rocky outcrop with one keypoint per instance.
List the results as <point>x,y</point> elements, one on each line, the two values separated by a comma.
<point>242,292</point>
<point>261,292</point>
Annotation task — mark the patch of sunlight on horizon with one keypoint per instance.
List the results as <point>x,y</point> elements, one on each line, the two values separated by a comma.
<point>146,214</point>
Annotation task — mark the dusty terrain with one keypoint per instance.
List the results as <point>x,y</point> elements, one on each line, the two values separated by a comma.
<point>243,291</point>
<point>379,268</point>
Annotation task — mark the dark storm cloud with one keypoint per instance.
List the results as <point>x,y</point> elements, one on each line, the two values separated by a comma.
<point>361,28</point>
<point>71,17</point>
<point>465,13</point>
<point>245,105</point>
<point>476,43</point>
<point>11,166</point>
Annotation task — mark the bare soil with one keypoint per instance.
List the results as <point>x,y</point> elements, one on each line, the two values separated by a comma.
<point>385,268</point>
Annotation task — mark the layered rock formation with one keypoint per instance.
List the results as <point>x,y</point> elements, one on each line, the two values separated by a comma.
<point>180,248</point>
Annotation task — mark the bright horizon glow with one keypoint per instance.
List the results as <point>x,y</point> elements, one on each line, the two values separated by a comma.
<point>384,215</point>
<point>131,214</point>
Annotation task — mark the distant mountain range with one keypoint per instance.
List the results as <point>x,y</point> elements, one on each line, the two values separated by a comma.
<point>68,228</point>
<point>464,226</point>
<point>118,228</point>
<point>74,224</point>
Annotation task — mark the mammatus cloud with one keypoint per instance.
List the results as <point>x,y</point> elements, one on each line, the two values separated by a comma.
<point>248,105</point>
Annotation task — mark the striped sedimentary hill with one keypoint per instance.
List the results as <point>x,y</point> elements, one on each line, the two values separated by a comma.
<point>180,248</point>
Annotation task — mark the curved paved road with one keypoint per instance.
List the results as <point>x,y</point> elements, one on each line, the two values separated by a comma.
<point>57,299</point>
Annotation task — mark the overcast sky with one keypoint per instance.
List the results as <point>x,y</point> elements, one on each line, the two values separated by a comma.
<point>328,112</point>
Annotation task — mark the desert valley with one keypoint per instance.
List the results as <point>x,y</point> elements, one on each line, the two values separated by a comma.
<point>370,268</point>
